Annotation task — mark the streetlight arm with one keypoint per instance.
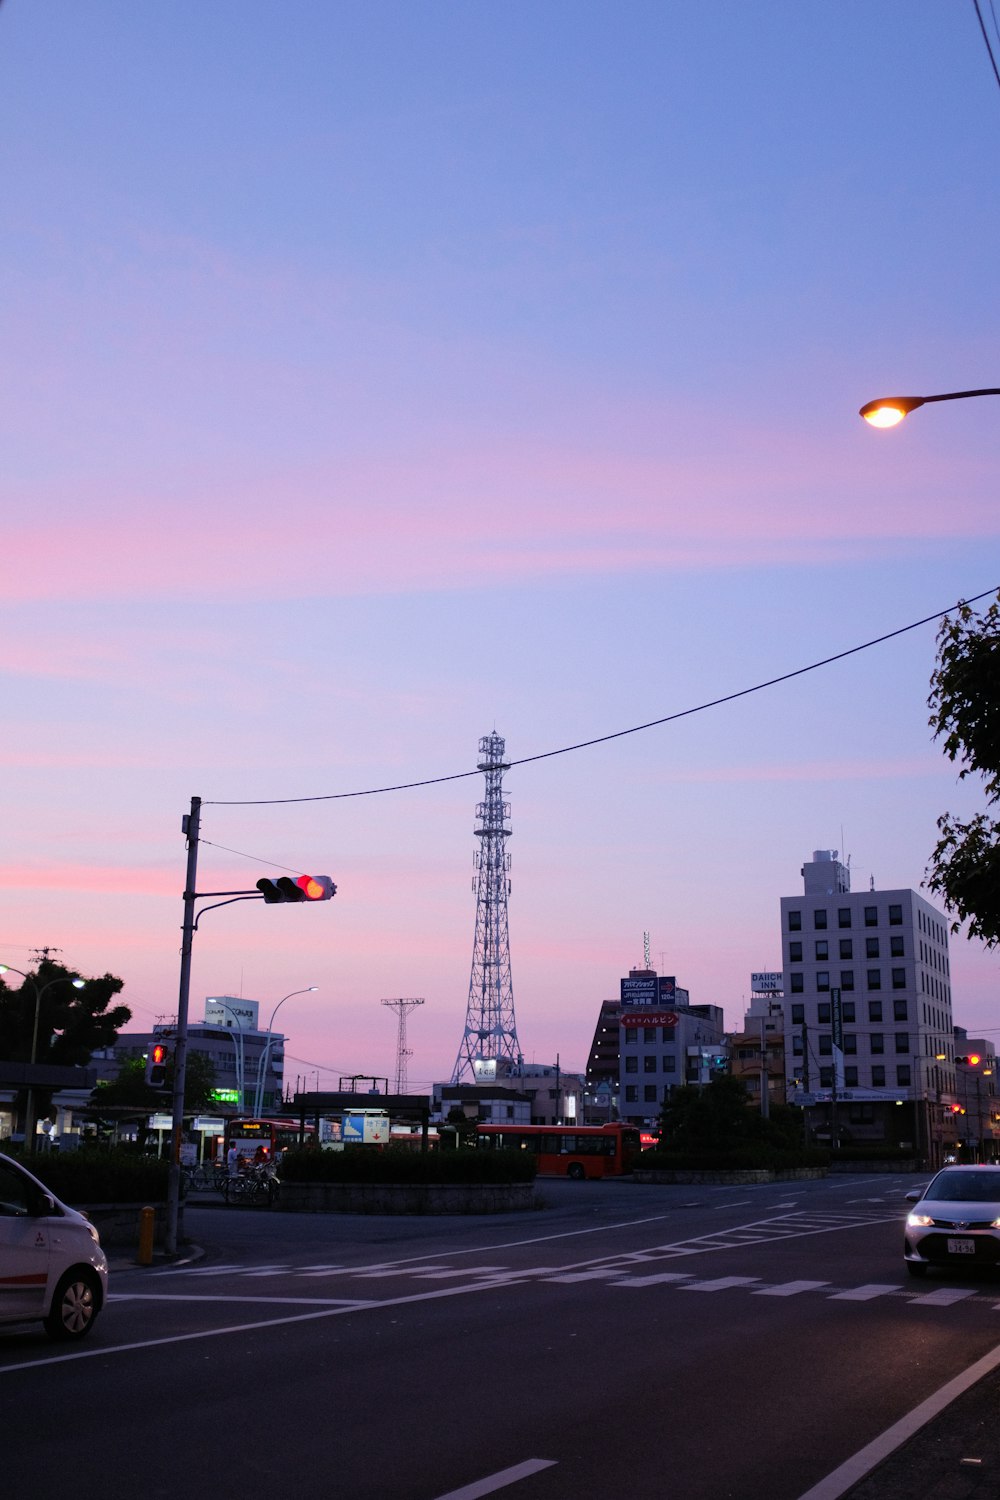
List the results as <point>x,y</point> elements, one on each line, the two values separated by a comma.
<point>888,411</point>
<point>262,1062</point>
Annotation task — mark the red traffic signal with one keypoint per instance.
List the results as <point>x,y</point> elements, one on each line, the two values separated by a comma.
<point>972,1061</point>
<point>305,888</point>
<point>156,1065</point>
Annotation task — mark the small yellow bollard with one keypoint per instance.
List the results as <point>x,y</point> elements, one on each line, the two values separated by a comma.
<point>147,1226</point>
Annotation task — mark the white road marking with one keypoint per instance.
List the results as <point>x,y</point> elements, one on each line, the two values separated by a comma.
<point>600,1273</point>
<point>865,1293</point>
<point>500,1480</point>
<point>467,1271</point>
<point>789,1288</point>
<point>255,1301</point>
<point>652,1280</point>
<point>944,1296</point>
<point>841,1480</point>
<point>719,1284</point>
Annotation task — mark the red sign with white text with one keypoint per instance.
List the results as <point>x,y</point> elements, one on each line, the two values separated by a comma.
<point>649,1018</point>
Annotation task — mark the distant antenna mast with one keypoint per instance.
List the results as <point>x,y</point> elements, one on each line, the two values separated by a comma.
<point>647,961</point>
<point>402,1009</point>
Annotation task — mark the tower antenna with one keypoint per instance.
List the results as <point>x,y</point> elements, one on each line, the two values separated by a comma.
<point>490,1037</point>
<point>402,1009</point>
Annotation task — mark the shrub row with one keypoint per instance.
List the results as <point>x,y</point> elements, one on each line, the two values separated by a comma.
<point>117,1175</point>
<point>400,1165</point>
<point>738,1159</point>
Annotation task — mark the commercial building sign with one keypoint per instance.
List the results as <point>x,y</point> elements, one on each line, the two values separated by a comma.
<point>648,990</point>
<point>649,1018</point>
<point>225,1010</point>
<point>767,982</point>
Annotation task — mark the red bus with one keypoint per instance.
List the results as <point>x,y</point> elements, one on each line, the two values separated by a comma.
<point>575,1151</point>
<point>248,1135</point>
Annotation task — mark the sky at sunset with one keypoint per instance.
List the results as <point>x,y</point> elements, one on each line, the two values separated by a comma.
<point>375,375</point>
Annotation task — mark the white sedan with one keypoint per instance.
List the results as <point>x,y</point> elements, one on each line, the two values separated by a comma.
<point>52,1267</point>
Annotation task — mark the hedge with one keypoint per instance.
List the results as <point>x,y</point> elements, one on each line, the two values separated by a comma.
<point>740,1159</point>
<point>117,1175</point>
<point>401,1165</point>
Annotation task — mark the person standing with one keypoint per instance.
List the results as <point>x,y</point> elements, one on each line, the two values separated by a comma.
<point>233,1161</point>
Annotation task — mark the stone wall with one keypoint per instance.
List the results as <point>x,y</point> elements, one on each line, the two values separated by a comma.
<point>118,1223</point>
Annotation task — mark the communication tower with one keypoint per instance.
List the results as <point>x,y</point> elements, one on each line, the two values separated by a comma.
<point>490,1047</point>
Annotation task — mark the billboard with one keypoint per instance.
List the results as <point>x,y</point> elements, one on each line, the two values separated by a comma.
<point>648,1017</point>
<point>639,989</point>
<point>225,1010</point>
<point>766,981</point>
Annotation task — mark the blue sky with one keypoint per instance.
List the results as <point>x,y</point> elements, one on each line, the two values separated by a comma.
<point>375,375</point>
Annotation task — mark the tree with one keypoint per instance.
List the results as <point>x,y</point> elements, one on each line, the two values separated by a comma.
<point>131,1091</point>
<point>965,708</point>
<point>64,1025</point>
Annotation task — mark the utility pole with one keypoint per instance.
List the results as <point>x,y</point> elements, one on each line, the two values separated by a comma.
<point>191,826</point>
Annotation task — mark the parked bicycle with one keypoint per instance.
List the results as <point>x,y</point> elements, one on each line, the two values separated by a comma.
<point>256,1188</point>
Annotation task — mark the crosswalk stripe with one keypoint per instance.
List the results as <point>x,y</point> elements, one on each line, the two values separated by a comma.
<point>719,1284</point>
<point>944,1296</point>
<point>865,1293</point>
<point>652,1280</point>
<point>789,1288</point>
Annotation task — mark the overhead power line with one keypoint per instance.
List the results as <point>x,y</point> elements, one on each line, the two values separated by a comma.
<point>617,734</point>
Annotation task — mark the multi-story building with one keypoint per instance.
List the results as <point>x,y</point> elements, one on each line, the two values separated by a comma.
<point>867,1010</point>
<point>975,1119</point>
<point>664,1040</point>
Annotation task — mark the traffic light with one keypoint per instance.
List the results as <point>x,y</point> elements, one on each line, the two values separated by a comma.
<point>305,888</point>
<point>156,1065</point>
<point>972,1061</point>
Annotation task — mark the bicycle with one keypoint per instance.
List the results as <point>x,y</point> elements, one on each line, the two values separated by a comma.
<point>253,1189</point>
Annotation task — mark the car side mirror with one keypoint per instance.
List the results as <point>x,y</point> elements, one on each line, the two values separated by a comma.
<point>914,1196</point>
<point>41,1205</point>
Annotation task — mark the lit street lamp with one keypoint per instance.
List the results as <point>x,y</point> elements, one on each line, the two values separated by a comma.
<point>29,1112</point>
<point>262,1064</point>
<point>889,411</point>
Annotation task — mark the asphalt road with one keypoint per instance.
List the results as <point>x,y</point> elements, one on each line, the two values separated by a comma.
<point>635,1342</point>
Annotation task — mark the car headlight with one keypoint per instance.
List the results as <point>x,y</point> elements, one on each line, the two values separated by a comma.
<point>94,1235</point>
<point>919,1221</point>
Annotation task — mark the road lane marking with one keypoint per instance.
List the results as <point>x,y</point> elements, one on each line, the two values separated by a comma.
<point>865,1293</point>
<point>466,1271</point>
<point>944,1296</point>
<point>600,1273</point>
<point>718,1284</point>
<point>861,1463</point>
<point>789,1288</point>
<point>652,1280</point>
<point>255,1301</point>
<point>500,1480</point>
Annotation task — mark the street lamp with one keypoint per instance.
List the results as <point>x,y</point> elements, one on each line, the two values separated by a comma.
<point>237,1050</point>
<point>29,1110</point>
<point>889,411</point>
<point>262,1064</point>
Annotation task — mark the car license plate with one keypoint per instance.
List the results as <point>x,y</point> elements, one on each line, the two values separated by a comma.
<point>961,1247</point>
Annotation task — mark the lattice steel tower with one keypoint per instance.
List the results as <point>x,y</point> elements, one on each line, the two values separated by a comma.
<point>403,1052</point>
<point>490,1028</point>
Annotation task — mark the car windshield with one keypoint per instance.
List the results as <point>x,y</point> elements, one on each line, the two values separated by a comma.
<point>965,1187</point>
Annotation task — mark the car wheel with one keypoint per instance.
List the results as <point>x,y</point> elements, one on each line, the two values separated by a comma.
<point>916,1268</point>
<point>74,1306</point>
<point>575,1171</point>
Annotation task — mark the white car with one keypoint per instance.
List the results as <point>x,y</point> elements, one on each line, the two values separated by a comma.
<point>955,1221</point>
<point>52,1267</point>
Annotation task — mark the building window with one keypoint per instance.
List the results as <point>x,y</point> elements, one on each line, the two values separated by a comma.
<point>826,1078</point>
<point>844,916</point>
<point>847,979</point>
<point>797,1048</point>
<point>649,1034</point>
<point>798,1014</point>
<point>822,949</point>
<point>899,981</point>
<point>874,1010</point>
<point>902,1041</point>
<point>899,1010</point>
<point>847,1010</point>
<point>876,1041</point>
<point>795,921</point>
<point>874,979</point>
<point>896,947</point>
<point>797,985</point>
<point>871,948</point>
<point>669,1063</point>
<point>903,1076</point>
<point>819,920</point>
<point>794,953</point>
<point>822,979</point>
<point>825,1044</point>
<point>895,916</point>
<point>850,1078</point>
<point>878,1076</point>
<point>631,1093</point>
<point>823,1013</point>
<point>850,1044</point>
<point>631,1035</point>
<point>846,948</point>
<point>871,916</point>
<point>631,1065</point>
<point>649,1064</point>
<point>649,1093</point>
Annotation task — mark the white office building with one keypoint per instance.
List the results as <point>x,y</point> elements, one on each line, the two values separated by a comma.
<point>867,1008</point>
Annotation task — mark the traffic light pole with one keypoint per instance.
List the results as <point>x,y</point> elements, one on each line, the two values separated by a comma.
<point>191,825</point>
